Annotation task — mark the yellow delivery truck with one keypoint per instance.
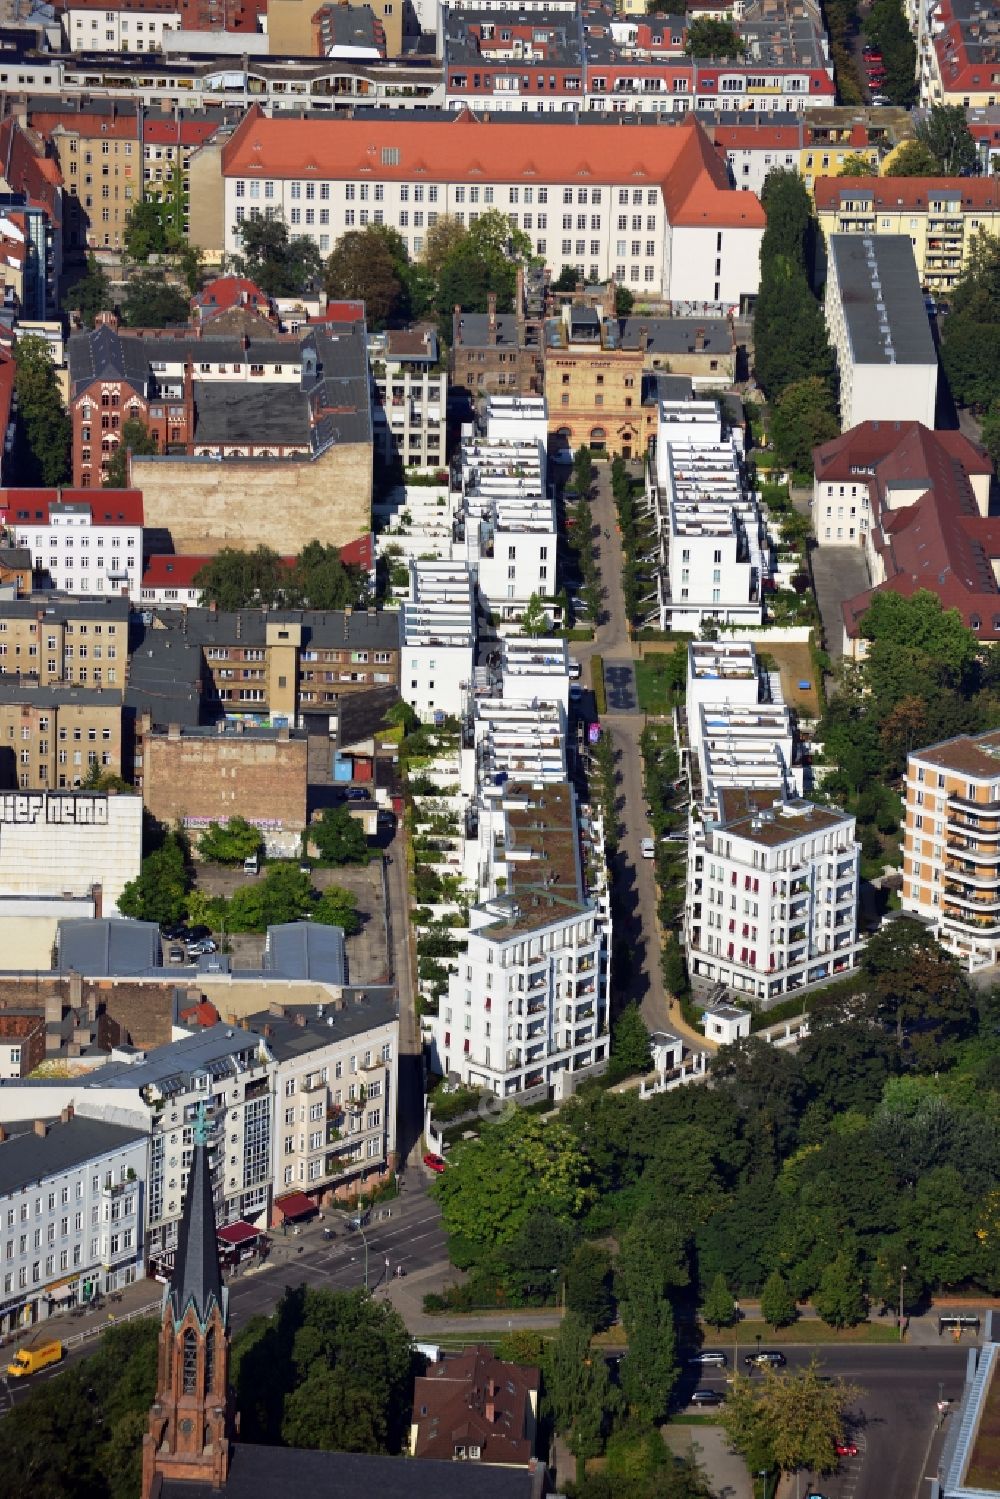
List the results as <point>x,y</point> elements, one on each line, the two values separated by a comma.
<point>38,1354</point>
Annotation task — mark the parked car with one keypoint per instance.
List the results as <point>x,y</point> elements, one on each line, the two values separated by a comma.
<point>198,933</point>
<point>435,1162</point>
<point>648,847</point>
<point>710,1356</point>
<point>765,1358</point>
<point>575,692</point>
<point>707,1397</point>
<point>176,955</point>
<point>356,794</point>
<point>359,1220</point>
<point>880,99</point>
<point>846,1449</point>
<point>201,947</point>
<point>177,931</point>
<point>574,671</point>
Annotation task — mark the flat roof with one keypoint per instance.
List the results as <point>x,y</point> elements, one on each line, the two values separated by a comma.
<point>883,304</point>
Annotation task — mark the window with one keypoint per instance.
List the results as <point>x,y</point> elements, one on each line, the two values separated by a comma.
<point>189,1373</point>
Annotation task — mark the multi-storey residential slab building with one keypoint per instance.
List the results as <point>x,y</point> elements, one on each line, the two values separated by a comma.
<point>951,845</point>
<point>715,552</point>
<point>52,737</point>
<point>575,193</point>
<point>593,384</point>
<point>439,640</point>
<point>72,1215</point>
<point>959,60</point>
<point>409,410</point>
<point>97,146</point>
<point>71,641</point>
<point>772,895</point>
<point>87,542</point>
<point>879,330</point>
<point>506,528</point>
<point>941,216</point>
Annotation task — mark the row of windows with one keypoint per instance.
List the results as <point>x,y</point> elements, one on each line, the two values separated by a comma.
<point>417,192</point>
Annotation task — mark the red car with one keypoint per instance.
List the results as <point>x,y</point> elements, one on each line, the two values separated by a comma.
<point>435,1162</point>
<point>846,1449</point>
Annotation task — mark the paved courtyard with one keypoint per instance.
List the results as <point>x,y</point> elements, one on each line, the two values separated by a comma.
<point>838,573</point>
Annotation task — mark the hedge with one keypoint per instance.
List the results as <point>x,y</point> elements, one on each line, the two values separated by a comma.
<point>597,677</point>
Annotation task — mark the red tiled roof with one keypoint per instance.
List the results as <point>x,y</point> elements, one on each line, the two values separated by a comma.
<point>939,542</point>
<point>677,157</point>
<point>341,312</point>
<point>8,373</point>
<point>907,192</point>
<point>475,1399</point>
<point>187,132</point>
<point>120,127</point>
<point>108,507</point>
<point>758,137</point>
<point>27,170</point>
<point>203,1013</point>
<point>231,291</point>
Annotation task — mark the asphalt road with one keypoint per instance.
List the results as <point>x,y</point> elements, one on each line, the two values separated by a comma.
<point>896,1419</point>
<point>409,1235</point>
<point>619,686</point>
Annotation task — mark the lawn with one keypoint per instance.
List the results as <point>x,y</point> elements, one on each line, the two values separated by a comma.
<point>652,682</point>
<point>795,663</point>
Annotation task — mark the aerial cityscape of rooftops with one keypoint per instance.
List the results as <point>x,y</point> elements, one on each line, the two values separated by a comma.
<point>500,749</point>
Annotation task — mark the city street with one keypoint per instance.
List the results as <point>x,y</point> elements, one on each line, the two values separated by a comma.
<point>896,1417</point>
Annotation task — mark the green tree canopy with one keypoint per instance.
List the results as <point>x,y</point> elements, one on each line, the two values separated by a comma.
<point>790,337</point>
<point>802,418</point>
<point>840,1297</point>
<point>91,293</point>
<point>582,1395</point>
<point>44,428</point>
<point>913,159</point>
<point>338,907</point>
<point>339,838</point>
<point>945,132</point>
<point>234,579</point>
<point>855,164</point>
<point>368,264</point>
<point>495,1184</point>
<point>230,842</point>
<point>159,893</point>
<point>151,302</point>
<point>630,1051</point>
<point>709,38</point>
<point>284,894</point>
<point>588,1286</point>
<point>280,265</point>
<point>790,1421</point>
<point>534,620</point>
<point>777,1304</point>
<point>149,230</point>
<point>136,438</point>
<point>718,1308</point>
<point>789,217</point>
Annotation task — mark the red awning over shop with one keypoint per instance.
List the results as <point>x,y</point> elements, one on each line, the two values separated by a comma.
<point>295,1205</point>
<point>238,1233</point>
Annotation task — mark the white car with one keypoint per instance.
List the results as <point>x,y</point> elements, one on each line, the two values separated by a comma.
<point>648,848</point>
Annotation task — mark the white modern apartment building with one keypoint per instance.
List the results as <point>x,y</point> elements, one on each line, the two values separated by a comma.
<point>439,640</point>
<point>772,896</point>
<point>527,1007</point>
<point>87,541</point>
<point>951,845</point>
<point>573,190</point>
<point>879,330</point>
<point>772,879</point>
<point>535,670</point>
<point>715,551</point>
<point>410,400</point>
<point>72,1214</point>
<point>507,518</point>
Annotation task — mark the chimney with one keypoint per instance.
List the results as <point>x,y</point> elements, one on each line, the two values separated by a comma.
<point>3,1134</point>
<point>97,891</point>
<point>456,326</point>
<point>491,318</point>
<point>41,1128</point>
<point>173,731</point>
<point>699,341</point>
<point>67,1114</point>
<point>76,989</point>
<point>491,1410</point>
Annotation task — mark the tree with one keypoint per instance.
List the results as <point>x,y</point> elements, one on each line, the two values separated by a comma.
<point>159,893</point>
<point>567,279</point>
<point>790,336</point>
<point>45,431</point>
<point>328,1369</point>
<point>338,907</point>
<point>320,580</point>
<point>789,218</point>
<point>281,266</point>
<point>918,992</point>
<point>801,419</point>
<point>630,1052</point>
<point>150,302</point>
<point>777,1304</point>
<point>496,1184</point>
<point>146,232</point>
<point>534,620</point>
<point>284,894</point>
<point>719,1309</point>
<point>588,1290</point>
<point>235,579</point>
<point>136,438</point>
<point>624,301</point>
<point>230,843</point>
<point>945,132</point>
<point>485,260</point>
<point>439,241</point>
<point>339,838</point>
<point>708,38</point>
<point>366,265</point>
<point>581,1393</point>
<point>789,1421</point>
<point>913,159</point>
<point>855,164</point>
<point>839,1298</point>
<point>91,294</point>
<point>886,25</point>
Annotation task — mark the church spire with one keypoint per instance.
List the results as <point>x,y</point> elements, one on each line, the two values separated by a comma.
<point>196,1280</point>
<point>191,1417</point>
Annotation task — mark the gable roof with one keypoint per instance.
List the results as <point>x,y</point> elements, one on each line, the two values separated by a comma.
<point>106,507</point>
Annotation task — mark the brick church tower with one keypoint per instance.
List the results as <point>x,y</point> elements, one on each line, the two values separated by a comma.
<point>191,1419</point>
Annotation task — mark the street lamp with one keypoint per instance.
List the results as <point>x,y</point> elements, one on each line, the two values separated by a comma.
<point>365,1238</point>
<point>902,1274</point>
